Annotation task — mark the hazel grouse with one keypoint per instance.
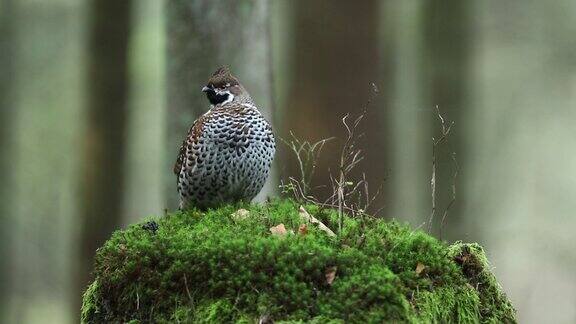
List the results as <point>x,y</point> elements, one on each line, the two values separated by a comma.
<point>227,154</point>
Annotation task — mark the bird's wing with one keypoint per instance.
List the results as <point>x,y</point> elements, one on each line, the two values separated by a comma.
<point>180,158</point>
<point>193,135</point>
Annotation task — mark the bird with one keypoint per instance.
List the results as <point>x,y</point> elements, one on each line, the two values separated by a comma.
<point>228,151</point>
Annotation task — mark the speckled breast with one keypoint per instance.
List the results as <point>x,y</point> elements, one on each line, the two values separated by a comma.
<point>226,158</point>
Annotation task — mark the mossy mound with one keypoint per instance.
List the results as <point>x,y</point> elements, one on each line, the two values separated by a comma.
<point>216,267</point>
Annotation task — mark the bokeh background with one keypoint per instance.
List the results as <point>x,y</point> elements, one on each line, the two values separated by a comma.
<point>96,96</point>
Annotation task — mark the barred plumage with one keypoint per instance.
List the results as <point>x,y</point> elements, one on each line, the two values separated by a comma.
<point>228,152</point>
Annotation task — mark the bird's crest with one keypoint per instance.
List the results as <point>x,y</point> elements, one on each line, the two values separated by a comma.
<point>222,77</point>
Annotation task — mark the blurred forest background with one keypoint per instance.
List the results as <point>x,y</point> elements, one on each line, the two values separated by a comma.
<point>96,96</point>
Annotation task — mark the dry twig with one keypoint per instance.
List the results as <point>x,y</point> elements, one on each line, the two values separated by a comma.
<point>306,154</point>
<point>348,195</point>
<point>453,199</point>
<point>313,220</point>
<point>446,127</point>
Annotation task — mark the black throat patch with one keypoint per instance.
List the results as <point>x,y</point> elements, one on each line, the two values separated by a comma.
<point>216,98</point>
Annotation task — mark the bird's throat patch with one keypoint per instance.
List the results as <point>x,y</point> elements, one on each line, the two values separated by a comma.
<point>218,98</point>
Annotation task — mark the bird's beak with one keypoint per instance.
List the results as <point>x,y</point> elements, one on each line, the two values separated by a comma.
<point>206,89</point>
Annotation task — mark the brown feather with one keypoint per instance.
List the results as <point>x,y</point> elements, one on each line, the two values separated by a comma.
<point>221,77</point>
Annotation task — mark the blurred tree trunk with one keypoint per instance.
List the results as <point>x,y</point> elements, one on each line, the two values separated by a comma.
<point>7,85</point>
<point>205,34</point>
<point>520,180</point>
<point>335,61</point>
<point>447,31</point>
<point>102,178</point>
<point>409,117</point>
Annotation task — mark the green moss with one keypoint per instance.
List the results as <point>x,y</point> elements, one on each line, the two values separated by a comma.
<point>90,303</point>
<point>449,304</point>
<point>494,305</point>
<point>213,268</point>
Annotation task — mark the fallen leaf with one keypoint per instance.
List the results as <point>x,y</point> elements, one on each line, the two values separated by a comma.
<point>240,214</point>
<point>303,229</point>
<point>279,230</point>
<point>311,219</point>
<point>330,274</point>
<point>419,268</point>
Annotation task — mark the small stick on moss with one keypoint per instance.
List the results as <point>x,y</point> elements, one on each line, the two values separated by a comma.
<point>350,156</point>
<point>188,292</point>
<point>311,219</point>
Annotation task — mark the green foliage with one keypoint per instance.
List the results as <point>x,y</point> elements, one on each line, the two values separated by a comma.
<point>214,267</point>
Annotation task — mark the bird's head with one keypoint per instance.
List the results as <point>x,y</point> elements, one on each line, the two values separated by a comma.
<point>223,87</point>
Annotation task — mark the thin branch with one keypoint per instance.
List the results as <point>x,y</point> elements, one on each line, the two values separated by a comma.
<point>453,200</point>
<point>188,292</point>
<point>444,133</point>
<point>307,156</point>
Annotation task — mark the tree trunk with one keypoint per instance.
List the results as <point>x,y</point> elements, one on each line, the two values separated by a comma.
<point>520,180</point>
<point>102,178</point>
<point>409,118</point>
<point>7,112</point>
<point>335,61</point>
<point>203,35</point>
